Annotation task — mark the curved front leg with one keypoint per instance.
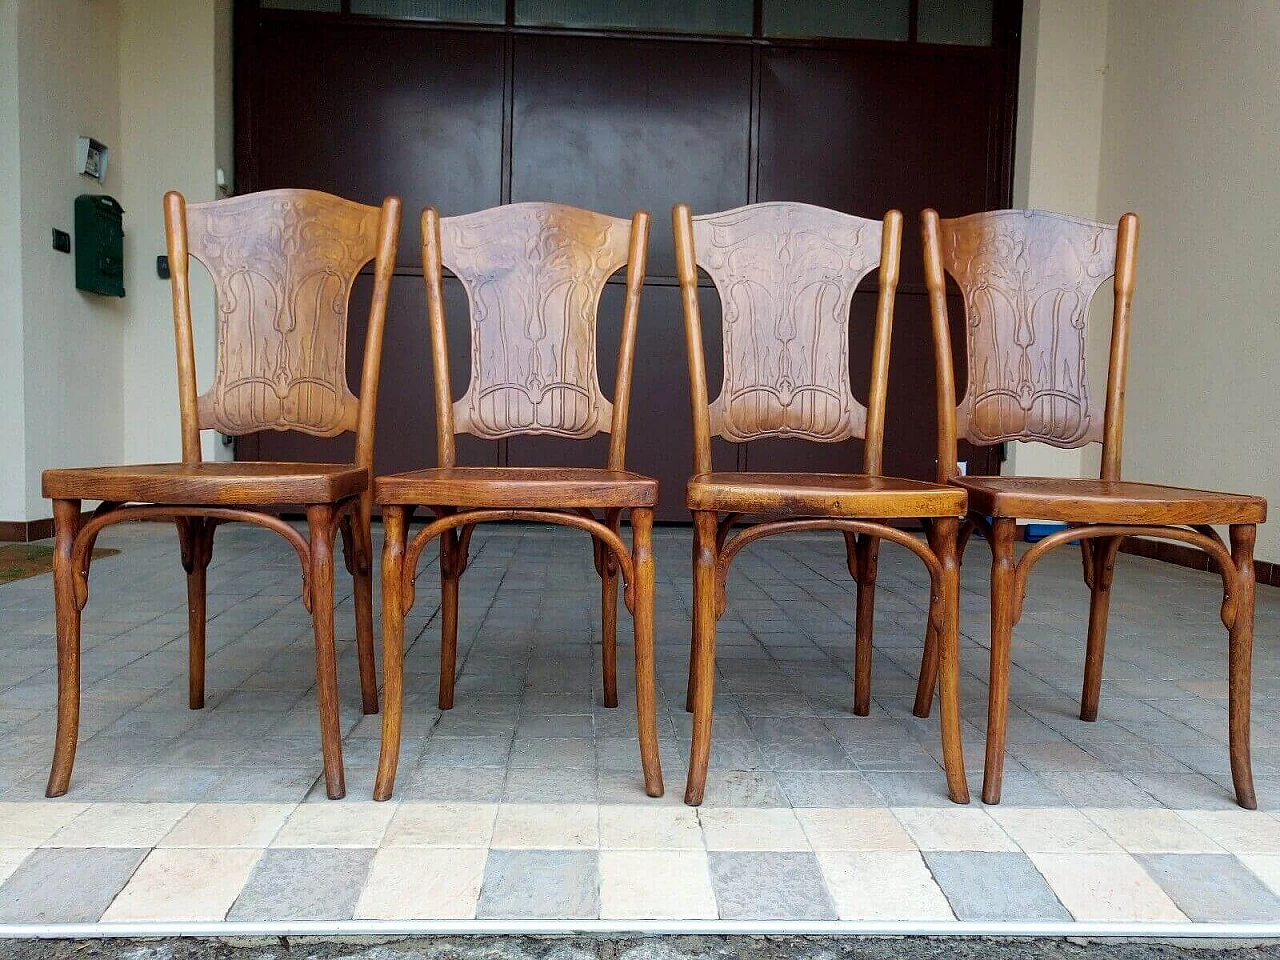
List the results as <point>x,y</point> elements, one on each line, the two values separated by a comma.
<point>642,617</point>
<point>357,548</point>
<point>66,524</point>
<point>1003,604</point>
<point>867,561</point>
<point>702,654</point>
<point>195,536</point>
<point>395,529</point>
<point>1240,664</point>
<point>320,522</point>
<point>945,615</point>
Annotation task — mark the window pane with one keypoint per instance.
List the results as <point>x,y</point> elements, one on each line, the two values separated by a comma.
<point>455,11</point>
<point>965,22</point>
<point>858,19</point>
<point>666,16</point>
<point>318,6</point>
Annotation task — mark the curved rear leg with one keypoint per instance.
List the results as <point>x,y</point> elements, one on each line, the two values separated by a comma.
<point>394,522</point>
<point>867,561</point>
<point>1003,604</point>
<point>320,521</point>
<point>607,567</point>
<point>1240,664</point>
<point>449,577</point>
<point>66,524</point>
<point>1102,558</point>
<point>703,653</point>
<point>928,681</point>
<point>944,611</point>
<point>195,536</point>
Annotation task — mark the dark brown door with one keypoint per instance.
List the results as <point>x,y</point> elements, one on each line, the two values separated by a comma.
<point>464,117</point>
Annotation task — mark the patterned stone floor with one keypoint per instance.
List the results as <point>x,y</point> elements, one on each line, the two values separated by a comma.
<point>525,801</point>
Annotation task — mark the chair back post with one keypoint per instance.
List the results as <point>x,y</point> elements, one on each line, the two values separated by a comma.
<point>877,394</point>
<point>384,267</point>
<point>636,262</point>
<point>432,275</point>
<point>1118,366</point>
<point>175,226</point>
<point>935,279</point>
<point>687,271</point>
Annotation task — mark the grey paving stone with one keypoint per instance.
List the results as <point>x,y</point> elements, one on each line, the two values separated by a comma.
<point>769,886</point>
<point>539,884</point>
<point>66,885</point>
<point>1213,887</point>
<point>303,884</point>
<point>994,886</point>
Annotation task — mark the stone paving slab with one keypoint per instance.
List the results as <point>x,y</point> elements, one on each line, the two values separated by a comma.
<point>526,800</point>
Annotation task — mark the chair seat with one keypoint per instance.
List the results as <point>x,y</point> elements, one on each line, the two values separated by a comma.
<point>516,487</point>
<point>219,483</point>
<point>823,494</point>
<point>1107,501</point>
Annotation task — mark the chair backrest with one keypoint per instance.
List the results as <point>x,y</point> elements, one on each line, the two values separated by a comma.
<point>786,274</point>
<point>1027,279</point>
<point>533,273</point>
<point>282,263</point>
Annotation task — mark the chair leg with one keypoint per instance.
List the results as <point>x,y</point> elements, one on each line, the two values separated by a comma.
<point>867,554</point>
<point>320,581</point>
<point>690,689</point>
<point>646,692</point>
<point>608,622</point>
<point>1240,668</point>
<point>944,535</point>
<point>1104,566</point>
<point>195,536</point>
<point>928,680</point>
<point>66,524</point>
<point>449,577</point>
<point>357,547</point>
<point>703,653</point>
<point>1003,532</point>
<point>394,528</point>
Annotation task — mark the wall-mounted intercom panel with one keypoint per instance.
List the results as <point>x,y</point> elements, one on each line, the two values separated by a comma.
<point>99,245</point>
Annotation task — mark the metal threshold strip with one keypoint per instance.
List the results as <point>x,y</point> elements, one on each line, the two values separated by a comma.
<point>869,928</point>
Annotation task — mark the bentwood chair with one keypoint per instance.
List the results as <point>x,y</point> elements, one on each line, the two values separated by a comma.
<point>534,274</point>
<point>786,274</point>
<point>1027,279</point>
<point>282,264</point>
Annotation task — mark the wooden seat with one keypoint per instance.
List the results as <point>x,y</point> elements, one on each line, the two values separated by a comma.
<point>282,264</point>
<point>786,274</point>
<point>1027,279</point>
<point>534,274</point>
<point>520,487</point>
<point>824,494</point>
<point>1106,501</point>
<point>218,483</point>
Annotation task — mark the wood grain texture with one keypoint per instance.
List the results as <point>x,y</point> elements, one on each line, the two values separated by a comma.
<point>1027,278</point>
<point>533,273</point>
<point>519,487</point>
<point>786,273</point>
<point>253,482</point>
<point>1107,501</point>
<point>282,264</point>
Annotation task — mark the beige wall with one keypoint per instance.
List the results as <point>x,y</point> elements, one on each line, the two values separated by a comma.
<point>176,130</point>
<point>13,459</point>
<point>72,341</point>
<point>1191,137</point>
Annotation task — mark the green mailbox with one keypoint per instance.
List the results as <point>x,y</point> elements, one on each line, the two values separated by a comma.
<point>99,245</point>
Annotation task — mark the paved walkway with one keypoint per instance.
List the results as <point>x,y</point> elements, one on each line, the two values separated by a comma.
<point>525,801</point>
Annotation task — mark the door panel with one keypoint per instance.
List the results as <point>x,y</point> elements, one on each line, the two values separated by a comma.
<point>620,125</point>
<point>371,111</point>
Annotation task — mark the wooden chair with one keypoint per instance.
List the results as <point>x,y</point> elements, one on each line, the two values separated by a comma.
<point>786,273</point>
<point>1027,279</point>
<point>534,273</point>
<point>282,264</point>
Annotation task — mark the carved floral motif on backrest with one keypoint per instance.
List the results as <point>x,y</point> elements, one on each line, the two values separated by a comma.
<point>1027,278</point>
<point>282,264</point>
<point>533,273</point>
<point>786,273</point>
